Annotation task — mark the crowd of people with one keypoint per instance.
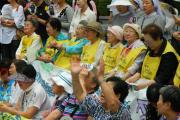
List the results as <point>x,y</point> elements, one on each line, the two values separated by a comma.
<point>58,61</point>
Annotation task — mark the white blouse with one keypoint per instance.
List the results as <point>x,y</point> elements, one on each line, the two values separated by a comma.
<point>88,15</point>
<point>7,34</point>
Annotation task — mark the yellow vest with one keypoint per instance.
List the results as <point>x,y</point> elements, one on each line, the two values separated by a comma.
<point>27,42</point>
<point>89,52</point>
<point>111,56</point>
<point>63,59</point>
<point>52,51</point>
<point>151,64</point>
<point>177,76</point>
<point>126,60</point>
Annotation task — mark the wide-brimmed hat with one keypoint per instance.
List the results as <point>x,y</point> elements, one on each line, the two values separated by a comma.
<point>96,26</point>
<point>135,27</point>
<point>120,2</point>
<point>65,80</point>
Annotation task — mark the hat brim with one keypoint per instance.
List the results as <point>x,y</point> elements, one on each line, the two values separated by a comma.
<point>61,80</point>
<point>98,31</point>
<point>126,3</point>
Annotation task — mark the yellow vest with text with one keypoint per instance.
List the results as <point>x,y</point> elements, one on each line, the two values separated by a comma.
<point>126,61</point>
<point>151,64</point>
<point>89,52</point>
<point>63,60</point>
<point>27,42</point>
<point>177,76</point>
<point>111,56</point>
<point>52,51</point>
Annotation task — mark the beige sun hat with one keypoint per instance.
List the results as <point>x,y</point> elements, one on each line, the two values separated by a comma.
<point>135,27</point>
<point>117,31</point>
<point>96,26</point>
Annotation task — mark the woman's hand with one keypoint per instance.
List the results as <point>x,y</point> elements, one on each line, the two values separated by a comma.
<point>176,35</point>
<point>3,107</point>
<point>75,65</point>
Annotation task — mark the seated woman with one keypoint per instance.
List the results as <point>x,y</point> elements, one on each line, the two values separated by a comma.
<point>132,56</point>
<point>62,89</point>
<point>30,41</point>
<point>73,47</point>
<point>108,106</point>
<point>160,62</point>
<point>15,67</point>
<point>92,52</point>
<point>168,104</point>
<point>124,12</point>
<point>5,82</point>
<point>153,14</point>
<point>113,48</point>
<point>53,28</point>
<point>32,99</point>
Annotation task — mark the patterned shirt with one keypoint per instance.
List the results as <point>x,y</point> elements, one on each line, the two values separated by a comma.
<point>5,90</point>
<point>68,107</point>
<point>94,108</point>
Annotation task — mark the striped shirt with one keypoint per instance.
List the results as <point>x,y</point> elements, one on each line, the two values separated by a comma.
<point>68,107</point>
<point>94,108</point>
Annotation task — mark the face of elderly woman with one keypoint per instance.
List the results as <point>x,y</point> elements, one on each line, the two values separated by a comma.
<point>122,8</point>
<point>29,28</point>
<point>81,3</point>
<point>130,35</point>
<point>148,6</point>
<point>111,37</point>
<point>150,42</point>
<point>91,34</point>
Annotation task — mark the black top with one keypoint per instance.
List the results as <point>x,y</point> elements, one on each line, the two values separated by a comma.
<point>167,67</point>
<point>41,13</point>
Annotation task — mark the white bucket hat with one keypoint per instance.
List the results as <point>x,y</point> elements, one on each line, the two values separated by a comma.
<point>63,79</point>
<point>135,27</point>
<point>117,31</point>
<point>120,2</point>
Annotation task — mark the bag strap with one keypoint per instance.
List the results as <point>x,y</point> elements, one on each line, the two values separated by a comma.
<point>62,12</point>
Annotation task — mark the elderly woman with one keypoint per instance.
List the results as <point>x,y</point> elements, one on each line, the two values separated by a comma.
<point>132,56</point>
<point>125,13</point>
<point>38,10</point>
<point>82,13</point>
<point>168,104</point>
<point>153,14</point>
<point>62,11</point>
<point>12,19</point>
<point>160,62</point>
<point>113,48</point>
<point>55,36</point>
<point>30,41</point>
<point>73,47</point>
<point>92,52</point>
